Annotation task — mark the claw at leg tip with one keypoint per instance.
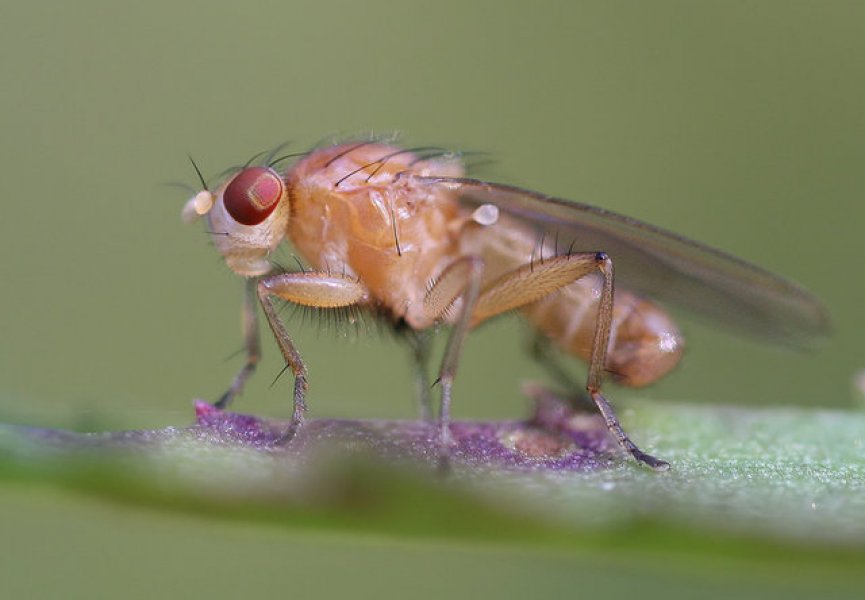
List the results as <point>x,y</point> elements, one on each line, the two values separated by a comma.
<point>656,464</point>
<point>661,466</point>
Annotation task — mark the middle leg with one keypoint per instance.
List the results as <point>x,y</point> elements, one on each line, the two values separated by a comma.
<point>460,280</point>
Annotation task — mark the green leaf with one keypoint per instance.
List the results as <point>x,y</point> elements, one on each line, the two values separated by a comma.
<point>771,487</point>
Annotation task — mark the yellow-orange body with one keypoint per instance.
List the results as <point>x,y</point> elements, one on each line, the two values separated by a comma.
<point>405,234</point>
<point>352,212</point>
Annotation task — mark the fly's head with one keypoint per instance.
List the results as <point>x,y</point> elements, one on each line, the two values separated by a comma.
<point>247,216</point>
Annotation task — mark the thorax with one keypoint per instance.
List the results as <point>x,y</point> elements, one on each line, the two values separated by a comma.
<point>351,212</point>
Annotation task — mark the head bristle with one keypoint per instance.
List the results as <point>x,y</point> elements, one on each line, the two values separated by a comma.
<point>198,172</point>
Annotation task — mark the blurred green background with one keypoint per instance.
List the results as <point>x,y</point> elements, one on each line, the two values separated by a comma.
<point>739,124</point>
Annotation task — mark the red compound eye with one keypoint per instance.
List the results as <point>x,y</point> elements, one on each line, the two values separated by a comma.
<point>252,195</point>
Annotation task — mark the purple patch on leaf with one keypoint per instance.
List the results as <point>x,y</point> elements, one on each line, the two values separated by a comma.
<point>555,438</point>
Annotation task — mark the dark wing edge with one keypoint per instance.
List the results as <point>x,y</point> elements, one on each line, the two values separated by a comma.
<point>663,265</point>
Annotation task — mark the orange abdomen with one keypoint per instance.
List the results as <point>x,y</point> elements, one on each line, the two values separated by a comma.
<point>645,343</point>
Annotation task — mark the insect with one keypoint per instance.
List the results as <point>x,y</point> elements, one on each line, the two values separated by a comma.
<point>403,233</point>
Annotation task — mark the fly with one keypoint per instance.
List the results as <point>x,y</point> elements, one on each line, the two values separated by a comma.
<point>405,234</point>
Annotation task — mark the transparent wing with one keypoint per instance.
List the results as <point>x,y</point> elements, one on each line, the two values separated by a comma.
<point>663,265</point>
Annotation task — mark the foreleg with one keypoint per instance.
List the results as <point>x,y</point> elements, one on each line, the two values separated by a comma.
<point>251,343</point>
<point>314,289</point>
